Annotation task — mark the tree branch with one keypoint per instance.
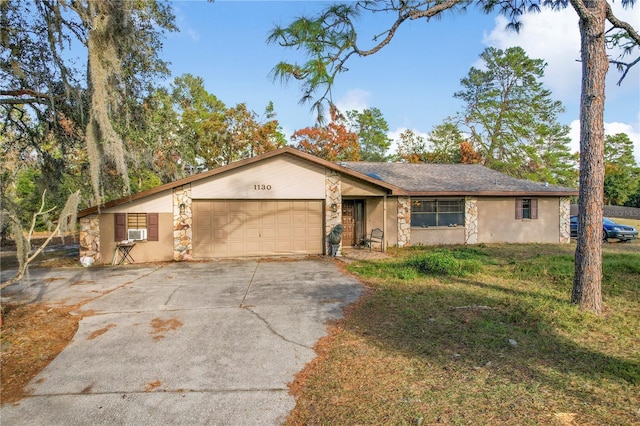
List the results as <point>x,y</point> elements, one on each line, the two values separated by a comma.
<point>25,92</point>
<point>633,35</point>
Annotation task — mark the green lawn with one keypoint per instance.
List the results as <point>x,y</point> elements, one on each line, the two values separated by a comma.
<point>480,335</point>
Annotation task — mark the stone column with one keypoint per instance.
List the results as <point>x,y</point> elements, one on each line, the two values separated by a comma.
<point>333,204</point>
<point>471,220</point>
<point>182,223</point>
<point>90,239</point>
<point>404,221</point>
<point>565,218</point>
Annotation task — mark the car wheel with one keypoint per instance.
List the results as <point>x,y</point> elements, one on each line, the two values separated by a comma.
<point>605,237</point>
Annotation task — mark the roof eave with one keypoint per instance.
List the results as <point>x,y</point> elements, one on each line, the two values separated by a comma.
<point>569,193</point>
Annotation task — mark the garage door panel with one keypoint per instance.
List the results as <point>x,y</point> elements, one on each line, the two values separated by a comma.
<point>268,219</point>
<point>284,220</point>
<point>314,233</point>
<point>252,233</point>
<point>224,228</point>
<point>268,233</point>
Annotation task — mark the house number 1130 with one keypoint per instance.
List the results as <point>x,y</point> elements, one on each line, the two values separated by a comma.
<point>262,187</point>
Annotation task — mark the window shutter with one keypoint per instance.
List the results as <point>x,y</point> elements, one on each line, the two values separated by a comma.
<point>534,208</point>
<point>518,208</point>
<point>120,226</point>
<point>152,227</point>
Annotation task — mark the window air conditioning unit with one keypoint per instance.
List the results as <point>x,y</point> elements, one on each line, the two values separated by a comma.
<point>137,234</point>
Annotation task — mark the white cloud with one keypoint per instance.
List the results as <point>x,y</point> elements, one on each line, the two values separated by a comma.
<point>609,129</point>
<point>193,34</point>
<point>555,37</point>
<point>552,36</point>
<point>183,25</point>
<point>355,99</point>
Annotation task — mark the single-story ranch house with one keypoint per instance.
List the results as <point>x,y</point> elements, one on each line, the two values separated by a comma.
<point>286,202</point>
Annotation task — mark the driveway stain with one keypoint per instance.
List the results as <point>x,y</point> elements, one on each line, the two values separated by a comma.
<point>159,326</point>
<point>101,331</point>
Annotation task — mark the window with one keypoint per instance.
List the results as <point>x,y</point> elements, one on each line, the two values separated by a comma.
<point>437,212</point>
<point>526,208</point>
<point>136,226</point>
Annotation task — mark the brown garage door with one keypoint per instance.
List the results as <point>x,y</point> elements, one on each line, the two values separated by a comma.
<point>225,228</point>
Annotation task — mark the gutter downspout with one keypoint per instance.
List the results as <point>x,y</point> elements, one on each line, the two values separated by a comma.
<point>384,223</point>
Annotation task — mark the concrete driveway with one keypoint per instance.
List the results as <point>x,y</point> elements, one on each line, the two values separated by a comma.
<point>183,343</point>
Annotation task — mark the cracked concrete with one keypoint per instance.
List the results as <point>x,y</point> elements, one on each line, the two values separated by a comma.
<point>240,331</point>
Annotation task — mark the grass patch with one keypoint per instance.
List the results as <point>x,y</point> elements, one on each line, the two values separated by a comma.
<point>497,344</point>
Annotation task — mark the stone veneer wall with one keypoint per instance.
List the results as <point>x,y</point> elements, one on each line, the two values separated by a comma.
<point>90,238</point>
<point>182,223</point>
<point>404,221</point>
<point>333,195</point>
<point>565,215</point>
<point>471,220</point>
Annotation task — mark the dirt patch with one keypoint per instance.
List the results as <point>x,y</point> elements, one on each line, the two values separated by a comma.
<point>152,385</point>
<point>32,336</point>
<point>160,326</point>
<point>100,332</point>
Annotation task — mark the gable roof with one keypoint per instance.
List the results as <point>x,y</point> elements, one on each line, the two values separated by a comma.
<point>455,179</point>
<point>397,178</point>
<point>391,188</point>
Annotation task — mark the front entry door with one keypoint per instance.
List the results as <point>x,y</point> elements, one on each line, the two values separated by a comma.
<point>352,222</point>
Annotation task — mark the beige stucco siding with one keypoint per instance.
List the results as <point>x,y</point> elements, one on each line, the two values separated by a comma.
<point>497,222</point>
<point>355,188</point>
<point>275,178</point>
<point>144,251</point>
<point>156,203</point>
<point>437,235</point>
<point>374,218</point>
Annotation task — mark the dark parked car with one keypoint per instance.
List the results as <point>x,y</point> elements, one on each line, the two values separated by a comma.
<point>610,229</point>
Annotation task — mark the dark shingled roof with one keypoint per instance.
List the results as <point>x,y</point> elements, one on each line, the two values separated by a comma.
<point>443,179</point>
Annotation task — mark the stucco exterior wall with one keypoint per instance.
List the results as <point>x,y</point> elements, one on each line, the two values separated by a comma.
<point>156,203</point>
<point>374,218</point>
<point>355,188</point>
<point>497,222</point>
<point>437,235</point>
<point>274,178</point>
<point>144,251</point>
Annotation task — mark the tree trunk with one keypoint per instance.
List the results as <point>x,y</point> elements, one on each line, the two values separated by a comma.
<point>587,282</point>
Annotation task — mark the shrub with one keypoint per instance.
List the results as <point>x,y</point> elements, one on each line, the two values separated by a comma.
<point>444,262</point>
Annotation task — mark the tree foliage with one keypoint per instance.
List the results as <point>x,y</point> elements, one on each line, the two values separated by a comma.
<point>46,95</point>
<point>412,148</point>
<point>621,173</point>
<point>211,135</point>
<point>333,141</point>
<point>512,119</point>
<point>371,128</point>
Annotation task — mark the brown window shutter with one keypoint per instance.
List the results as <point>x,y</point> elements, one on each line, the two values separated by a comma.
<point>152,226</point>
<point>120,226</point>
<point>518,208</point>
<point>534,208</point>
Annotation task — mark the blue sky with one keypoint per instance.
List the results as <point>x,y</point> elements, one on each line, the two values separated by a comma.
<point>412,80</point>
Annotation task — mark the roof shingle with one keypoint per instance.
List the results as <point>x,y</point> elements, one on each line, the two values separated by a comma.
<point>427,178</point>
